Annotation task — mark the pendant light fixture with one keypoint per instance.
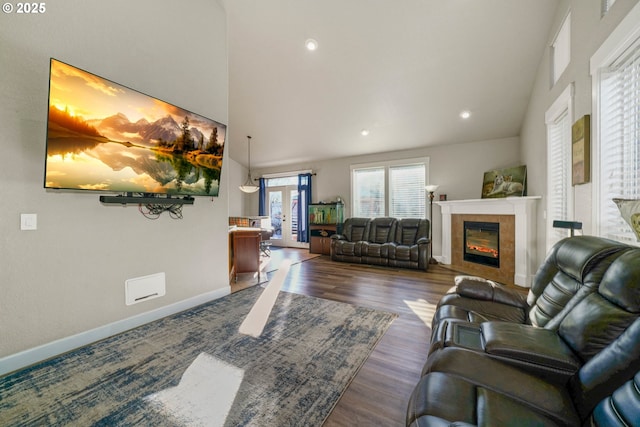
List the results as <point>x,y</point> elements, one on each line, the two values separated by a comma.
<point>249,186</point>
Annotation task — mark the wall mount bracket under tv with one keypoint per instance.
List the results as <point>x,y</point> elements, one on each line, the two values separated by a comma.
<point>106,137</point>
<point>145,199</point>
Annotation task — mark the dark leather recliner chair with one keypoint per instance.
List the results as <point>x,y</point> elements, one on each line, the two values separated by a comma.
<point>516,373</point>
<point>375,248</point>
<point>347,246</point>
<point>621,408</point>
<point>572,269</point>
<point>411,246</point>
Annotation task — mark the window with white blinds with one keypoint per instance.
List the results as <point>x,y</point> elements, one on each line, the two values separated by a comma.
<point>368,192</point>
<point>619,141</point>
<point>559,196</point>
<point>406,191</point>
<point>393,189</point>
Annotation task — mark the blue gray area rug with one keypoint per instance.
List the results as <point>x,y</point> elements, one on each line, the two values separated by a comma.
<point>196,369</point>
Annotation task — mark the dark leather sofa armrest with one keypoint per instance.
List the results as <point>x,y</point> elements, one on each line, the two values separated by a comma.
<point>483,289</point>
<point>338,237</point>
<point>530,345</point>
<point>423,241</point>
<point>511,381</point>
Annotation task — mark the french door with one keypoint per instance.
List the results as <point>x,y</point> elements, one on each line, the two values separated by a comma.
<point>282,205</point>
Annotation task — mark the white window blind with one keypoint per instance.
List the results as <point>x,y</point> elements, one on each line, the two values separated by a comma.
<point>406,191</point>
<point>368,192</point>
<point>394,188</point>
<point>619,141</point>
<point>559,175</point>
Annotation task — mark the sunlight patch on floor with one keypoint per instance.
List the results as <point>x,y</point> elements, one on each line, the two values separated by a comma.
<point>256,320</point>
<point>423,309</point>
<point>204,395</point>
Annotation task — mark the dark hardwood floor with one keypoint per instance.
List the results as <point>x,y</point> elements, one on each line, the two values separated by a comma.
<point>379,393</point>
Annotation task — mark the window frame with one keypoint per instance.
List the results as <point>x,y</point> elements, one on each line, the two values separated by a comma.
<point>621,39</point>
<point>561,49</point>
<point>386,166</point>
<point>355,192</point>
<point>561,106</point>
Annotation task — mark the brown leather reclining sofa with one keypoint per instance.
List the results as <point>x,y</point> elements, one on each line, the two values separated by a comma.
<point>566,355</point>
<point>383,241</point>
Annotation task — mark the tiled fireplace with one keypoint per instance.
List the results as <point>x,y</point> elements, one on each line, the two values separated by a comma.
<point>499,241</point>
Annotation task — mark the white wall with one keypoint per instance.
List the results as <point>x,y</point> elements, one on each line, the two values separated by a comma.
<point>68,276</point>
<point>588,31</point>
<point>457,168</point>
<point>237,199</point>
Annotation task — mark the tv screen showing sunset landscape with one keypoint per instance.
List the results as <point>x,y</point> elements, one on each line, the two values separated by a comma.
<point>103,136</point>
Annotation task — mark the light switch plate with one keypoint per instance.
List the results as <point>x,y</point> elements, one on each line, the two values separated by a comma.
<point>28,221</point>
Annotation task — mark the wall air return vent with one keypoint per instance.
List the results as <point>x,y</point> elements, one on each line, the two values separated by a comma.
<point>144,288</point>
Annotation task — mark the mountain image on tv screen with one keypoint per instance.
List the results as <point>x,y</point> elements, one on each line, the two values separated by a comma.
<point>102,136</point>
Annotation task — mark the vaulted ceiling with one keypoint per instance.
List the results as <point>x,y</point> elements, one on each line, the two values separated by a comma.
<point>402,69</point>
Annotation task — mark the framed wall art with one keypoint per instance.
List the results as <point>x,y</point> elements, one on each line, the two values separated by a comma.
<point>507,182</point>
<point>580,151</point>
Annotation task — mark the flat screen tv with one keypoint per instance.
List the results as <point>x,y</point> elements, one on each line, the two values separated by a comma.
<point>102,136</point>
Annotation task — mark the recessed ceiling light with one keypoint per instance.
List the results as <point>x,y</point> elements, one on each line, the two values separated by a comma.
<point>311,44</point>
<point>465,114</point>
<point>364,132</point>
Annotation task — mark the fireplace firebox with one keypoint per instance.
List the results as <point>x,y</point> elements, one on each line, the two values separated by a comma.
<point>482,243</point>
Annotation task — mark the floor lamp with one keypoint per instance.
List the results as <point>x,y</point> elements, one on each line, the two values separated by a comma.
<point>431,189</point>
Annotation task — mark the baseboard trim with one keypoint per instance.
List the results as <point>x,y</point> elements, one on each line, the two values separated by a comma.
<point>28,357</point>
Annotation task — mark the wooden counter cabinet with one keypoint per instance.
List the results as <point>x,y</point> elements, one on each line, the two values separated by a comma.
<point>244,251</point>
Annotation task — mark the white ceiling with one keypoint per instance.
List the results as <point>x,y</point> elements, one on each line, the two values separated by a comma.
<point>404,69</point>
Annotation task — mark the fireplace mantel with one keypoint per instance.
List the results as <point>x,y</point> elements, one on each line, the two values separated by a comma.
<point>524,210</point>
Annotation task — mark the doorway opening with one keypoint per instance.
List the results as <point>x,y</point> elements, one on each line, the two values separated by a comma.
<point>282,208</point>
